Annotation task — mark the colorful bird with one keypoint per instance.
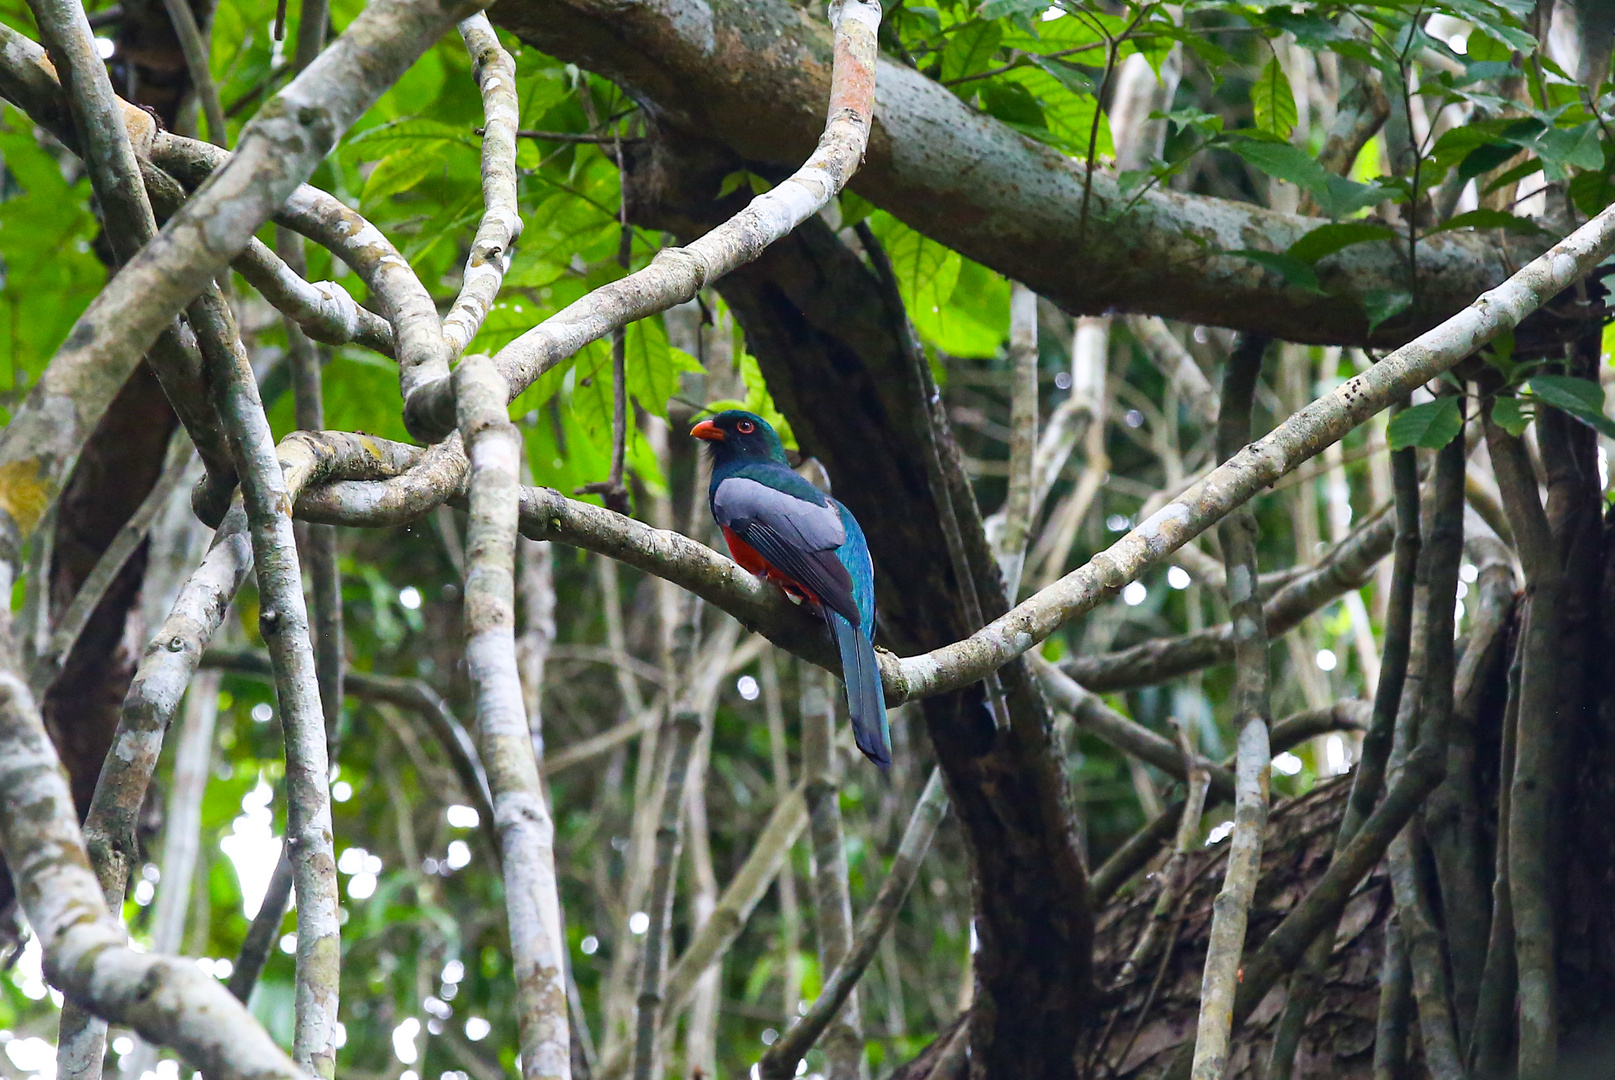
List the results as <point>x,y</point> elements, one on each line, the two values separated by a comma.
<point>781,527</point>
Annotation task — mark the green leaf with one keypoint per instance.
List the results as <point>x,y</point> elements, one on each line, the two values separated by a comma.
<point>1485,158</point>
<point>1068,76</point>
<point>1431,425</point>
<point>970,49</point>
<point>1342,198</point>
<point>1591,192</point>
<point>1325,240</point>
<point>1508,415</point>
<point>956,305</point>
<point>854,208</point>
<point>1068,118</point>
<point>1273,101</point>
<point>1489,219</point>
<point>1294,271</point>
<point>1283,162</point>
<point>997,9</point>
<point>398,171</point>
<point>1382,304</point>
<point>1581,398</point>
<point>732,182</point>
<point>1012,103</point>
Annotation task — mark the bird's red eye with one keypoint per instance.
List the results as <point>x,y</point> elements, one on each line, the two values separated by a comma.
<point>745,427</point>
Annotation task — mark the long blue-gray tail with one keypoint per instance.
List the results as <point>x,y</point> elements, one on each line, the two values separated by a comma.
<point>866,699</point>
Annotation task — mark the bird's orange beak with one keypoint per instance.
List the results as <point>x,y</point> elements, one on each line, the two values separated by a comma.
<point>707,430</point>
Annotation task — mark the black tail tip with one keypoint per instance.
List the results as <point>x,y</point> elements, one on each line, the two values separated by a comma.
<point>880,755</point>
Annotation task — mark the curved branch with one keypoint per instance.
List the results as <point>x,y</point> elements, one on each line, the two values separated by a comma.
<point>278,150</point>
<point>986,191</point>
<point>677,274</point>
<point>86,950</point>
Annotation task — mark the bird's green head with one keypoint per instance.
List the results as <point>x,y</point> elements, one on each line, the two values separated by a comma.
<point>738,435</point>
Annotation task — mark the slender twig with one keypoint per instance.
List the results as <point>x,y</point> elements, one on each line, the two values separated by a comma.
<point>681,727</point>
<point>264,929</point>
<point>130,536</point>
<point>284,623</point>
<point>1176,363</point>
<point>832,900</point>
<point>181,835</point>
<point>1428,705</point>
<point>1173,875</point>
<point>1494,999</point>
<point>779,1063</point>
<point>790,915</point>
<point>1016,522</point>
<point>1530,872</point>
<point>1253,763</point>
<point>195,48</point>
<point>1453,818</point>
<point>501,223</point>
<point>526,831</point>
<point>1395,1006</point>
<point>1092,715</point>
<point>1368,778</point>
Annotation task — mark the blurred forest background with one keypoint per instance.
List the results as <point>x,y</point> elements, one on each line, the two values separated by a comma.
<point>1387,122</point>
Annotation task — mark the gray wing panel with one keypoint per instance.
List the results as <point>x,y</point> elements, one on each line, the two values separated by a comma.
<point>797,521</point>
<point>797,537</point>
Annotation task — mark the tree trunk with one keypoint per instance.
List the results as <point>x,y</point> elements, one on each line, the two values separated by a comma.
<point>838,363</point>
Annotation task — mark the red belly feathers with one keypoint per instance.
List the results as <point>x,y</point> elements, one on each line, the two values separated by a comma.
<point>753,561</point>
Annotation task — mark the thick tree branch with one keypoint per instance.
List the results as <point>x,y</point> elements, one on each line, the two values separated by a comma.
<point>753,74</point>
<point>284,623</point>
<point>677,274</point>
<point>526,830</point>
<point>167,1000</point>
<point>278,150</point>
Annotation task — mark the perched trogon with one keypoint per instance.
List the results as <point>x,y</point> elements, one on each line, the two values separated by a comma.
<point>780,526</point>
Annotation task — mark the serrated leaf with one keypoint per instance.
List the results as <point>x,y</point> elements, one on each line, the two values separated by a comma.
<point>1273,101</point>
<point>970,49</point>
<point>1431,425</point>
<point>1325,240</point>
<point>1294,271</point>
<point>1509,416</point>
